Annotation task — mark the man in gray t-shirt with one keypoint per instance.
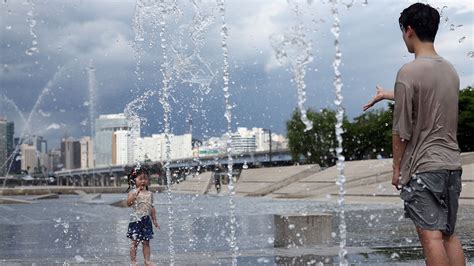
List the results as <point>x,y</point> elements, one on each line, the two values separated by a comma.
<point>426,156</point>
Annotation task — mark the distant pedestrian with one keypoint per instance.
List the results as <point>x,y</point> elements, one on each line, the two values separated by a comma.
<point>426,156</point>
<point>143,213</point>
<point>217,183</point>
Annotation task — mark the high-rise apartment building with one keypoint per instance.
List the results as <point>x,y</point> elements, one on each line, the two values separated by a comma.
<point>29,158</point>
<point>105,127</point>
<point>70,153</point>
<point>87,153</point>
<point>120,147</point>
<point>154,148</point>
<point>6,144</point>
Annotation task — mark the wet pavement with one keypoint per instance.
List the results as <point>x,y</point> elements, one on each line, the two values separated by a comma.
<point>68,230</point>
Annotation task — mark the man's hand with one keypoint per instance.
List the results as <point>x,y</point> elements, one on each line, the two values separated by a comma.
<point>380,94</point>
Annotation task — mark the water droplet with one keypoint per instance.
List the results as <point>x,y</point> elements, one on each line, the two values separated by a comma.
<point>263,260</point>
<point>79,258</point>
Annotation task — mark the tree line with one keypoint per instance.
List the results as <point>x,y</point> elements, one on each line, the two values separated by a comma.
<point>368,136</point>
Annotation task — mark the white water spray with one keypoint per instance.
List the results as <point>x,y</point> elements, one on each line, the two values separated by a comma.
<point>31,24</point>
<point>341,179</point>
<point>228,116</point>
<point>293,49</point>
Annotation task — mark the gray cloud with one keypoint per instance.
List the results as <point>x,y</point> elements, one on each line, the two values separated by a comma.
<point>70,34</point>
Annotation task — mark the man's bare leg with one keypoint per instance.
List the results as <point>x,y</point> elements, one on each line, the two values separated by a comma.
<point>453,248</point>
<point>433,247</point>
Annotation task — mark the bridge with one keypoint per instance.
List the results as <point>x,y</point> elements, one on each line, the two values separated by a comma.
<point>111,175</point>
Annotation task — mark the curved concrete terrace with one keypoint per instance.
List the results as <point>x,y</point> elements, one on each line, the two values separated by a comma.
<point>367,181</point>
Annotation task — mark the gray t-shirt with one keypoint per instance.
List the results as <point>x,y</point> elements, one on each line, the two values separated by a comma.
<point>426,115</point>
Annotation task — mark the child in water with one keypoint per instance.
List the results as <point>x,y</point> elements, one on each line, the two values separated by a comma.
<point>140,228</point>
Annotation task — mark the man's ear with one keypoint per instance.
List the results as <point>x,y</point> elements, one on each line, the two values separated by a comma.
<point>410,31</point>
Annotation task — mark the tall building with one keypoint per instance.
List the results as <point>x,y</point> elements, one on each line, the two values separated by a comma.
<point>120,144</point>
<point>54,160</point>
<point>154,148</point>
<point>29,158</point>
<point>3,146</point>
<point>87,153</point>
<point>70,153</point>
<point>6,144</point>
<point>243,141</point>
<point>105,126</point>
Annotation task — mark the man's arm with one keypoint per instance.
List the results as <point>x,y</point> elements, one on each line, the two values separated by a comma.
<point>381,94</point>
<point>398,147</point>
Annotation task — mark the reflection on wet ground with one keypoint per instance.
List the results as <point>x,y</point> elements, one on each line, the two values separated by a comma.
<point>68,230</point>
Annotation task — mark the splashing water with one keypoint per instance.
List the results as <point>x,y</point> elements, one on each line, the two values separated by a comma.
<point>5,100</point>
<point>167,72</point>
<point>27,128</point>
<point>31,24</point>
<point>131,111</point>
<point>293,49</point>
<point>228,116</point>
<point>341,179</point>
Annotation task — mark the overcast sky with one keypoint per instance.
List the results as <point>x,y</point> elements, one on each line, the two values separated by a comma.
<point>73,35</point>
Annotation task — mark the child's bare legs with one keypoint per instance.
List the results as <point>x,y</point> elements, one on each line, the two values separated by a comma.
<point>146,252</point>
<point>133,252</point>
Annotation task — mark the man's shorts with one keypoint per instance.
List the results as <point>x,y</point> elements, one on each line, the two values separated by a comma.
<point>431,199</point>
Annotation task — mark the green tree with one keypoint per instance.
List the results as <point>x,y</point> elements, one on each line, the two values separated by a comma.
<point>315,145</point>
<point>369,135</point>
<point>466,119</point>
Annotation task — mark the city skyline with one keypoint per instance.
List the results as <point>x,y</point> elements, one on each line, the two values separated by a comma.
<point>124,145</point>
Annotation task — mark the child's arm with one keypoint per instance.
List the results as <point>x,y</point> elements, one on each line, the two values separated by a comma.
<point>153,218</point>
<point>132,196</point>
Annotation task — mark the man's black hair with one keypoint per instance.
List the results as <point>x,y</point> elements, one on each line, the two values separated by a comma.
<point>423,19</point>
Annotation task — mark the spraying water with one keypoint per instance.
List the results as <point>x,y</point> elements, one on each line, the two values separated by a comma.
<point>27,129</point>
<point>228,116</point>
<point>5,100</point>
<point>293,49</point>
<point>341,179</point>
<point>167,72</point>
<point>31,24</point>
